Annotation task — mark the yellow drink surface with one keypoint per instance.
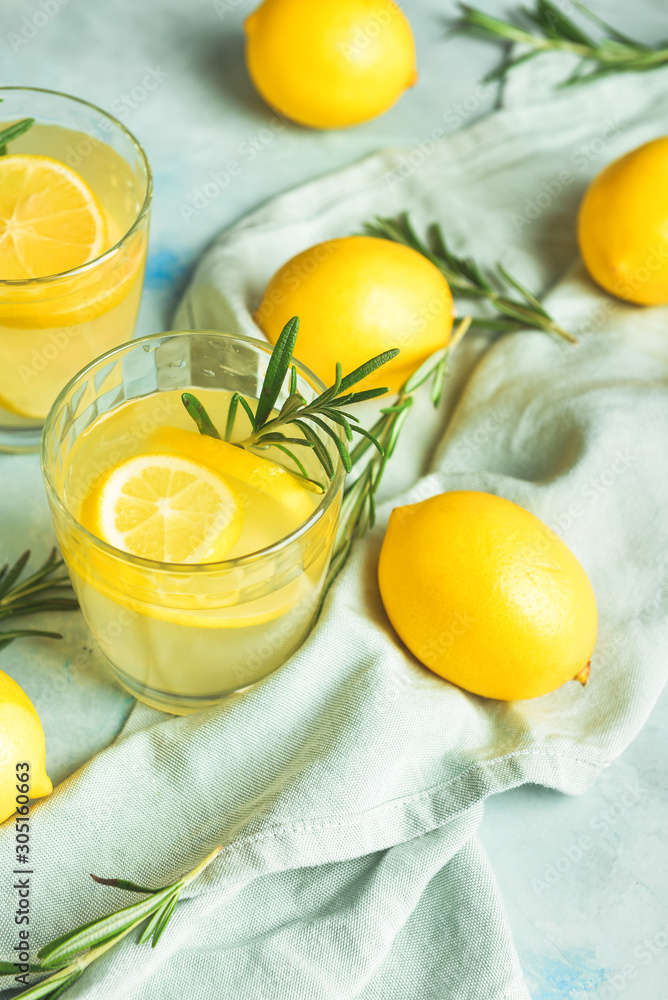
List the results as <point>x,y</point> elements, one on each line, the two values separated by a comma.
<point>196,634</point>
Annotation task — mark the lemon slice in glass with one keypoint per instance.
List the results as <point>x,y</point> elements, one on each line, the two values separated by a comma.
<point>50,220</point>
<point>166,508</point>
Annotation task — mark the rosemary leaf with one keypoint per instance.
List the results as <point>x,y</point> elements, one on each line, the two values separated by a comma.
<point>9,575</point>
<point>293,403</point>
<point>37,593</point>
<point>249,412</point>
<point>358,510</point>
<point>196,410</point>
<point>9,968</point>
<point>276,437</point>
<point>94,939</point>
<point>99,931</point>
<point>122,883</point>
<point>57,982</point>
<point>371,438</point>
<point>277,369</point>
<point>66,985</point>
<point>291,454</point>
<point>359,397</point>
<point>165,916</point>
<point>231,415</point>
<point>340,446</point>
<point>367,369</point>
<point>319,447</point>
<point>550,30</point>
<point>157,919</point>
<point>466,279</point>
<point>341,420</point>
<point>13,132</point>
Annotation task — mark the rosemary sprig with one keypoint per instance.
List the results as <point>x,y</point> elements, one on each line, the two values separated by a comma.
<point>40,592</point>
<point>549,30</point>
<point>13,132</point>
<point>467,280</point>
<point>359,503</point>
<point>67,957</point>
<point>311,422</point>
<point>358,512</point>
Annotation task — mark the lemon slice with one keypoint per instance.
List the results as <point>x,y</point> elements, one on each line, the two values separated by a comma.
<point>166,508</point>
<point>243,465</point>
<point>50,220</point>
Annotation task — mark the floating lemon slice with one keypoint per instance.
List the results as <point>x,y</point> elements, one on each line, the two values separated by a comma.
<point>230,460</point>
<point>166,508</point>
<point>50,220</point>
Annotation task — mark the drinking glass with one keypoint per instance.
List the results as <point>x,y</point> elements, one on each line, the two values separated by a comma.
<point>51,326</point>
<point>181,636</point>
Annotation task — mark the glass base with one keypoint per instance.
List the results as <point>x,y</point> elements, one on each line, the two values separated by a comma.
<point>167,701</point>
<point>20,440</point>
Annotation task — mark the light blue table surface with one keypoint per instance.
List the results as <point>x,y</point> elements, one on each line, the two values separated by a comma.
<point>585,880</point>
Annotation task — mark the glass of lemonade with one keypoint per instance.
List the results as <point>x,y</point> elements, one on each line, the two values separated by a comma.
<point>229,604</point>
<point>64,298</point>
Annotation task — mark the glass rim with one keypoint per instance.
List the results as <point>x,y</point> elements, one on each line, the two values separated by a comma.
<point>141,214</point>
<point>183,569</point>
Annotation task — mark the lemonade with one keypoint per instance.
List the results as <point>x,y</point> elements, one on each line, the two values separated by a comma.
<point>226,551</point>
<point>67,303</point>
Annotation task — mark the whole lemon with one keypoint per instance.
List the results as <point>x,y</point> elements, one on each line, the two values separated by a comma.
<point>487,596</point>
<point>623,225</point>
<point>21,743</point>
<point>330,63</point>
<point>357,297</point>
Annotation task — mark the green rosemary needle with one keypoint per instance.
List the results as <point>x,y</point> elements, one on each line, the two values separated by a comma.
<point>550,30</point>
<point>12,132</point>
<point>37,593</point>
<point>358,512</point>
<point>467,280</point>
<point>67,957</point>
<point>298,423</point>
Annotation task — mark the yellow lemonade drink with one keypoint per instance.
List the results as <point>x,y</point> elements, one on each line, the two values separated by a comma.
<point>198,564</point>
<point>75,193</point>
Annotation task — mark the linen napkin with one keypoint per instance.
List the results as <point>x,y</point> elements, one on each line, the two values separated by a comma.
<point>348,786</point>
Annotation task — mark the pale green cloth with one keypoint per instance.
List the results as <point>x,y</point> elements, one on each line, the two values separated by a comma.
<point>348,786</point>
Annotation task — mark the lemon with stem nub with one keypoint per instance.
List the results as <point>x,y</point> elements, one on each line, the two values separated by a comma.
<point>22,748</point>
<point>487,596</point>
<point>330,63</point>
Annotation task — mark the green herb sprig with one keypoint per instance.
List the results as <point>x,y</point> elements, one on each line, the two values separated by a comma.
<point>67,957</point>
<point>359,504</point>
<point>37,593</point>
<point>305,419</point>
<point>549,30</point>
<point>467,280</point>
<point>13,132</point>
<point>358,512</point>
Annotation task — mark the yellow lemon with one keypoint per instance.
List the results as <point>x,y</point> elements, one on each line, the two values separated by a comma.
<point>623,225</point>
<point>330,63</point>
<point>166,508</point>
<point>50,220</point>
<point>356,297</point>
<point>21,743</point>
<point>487,596</point>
